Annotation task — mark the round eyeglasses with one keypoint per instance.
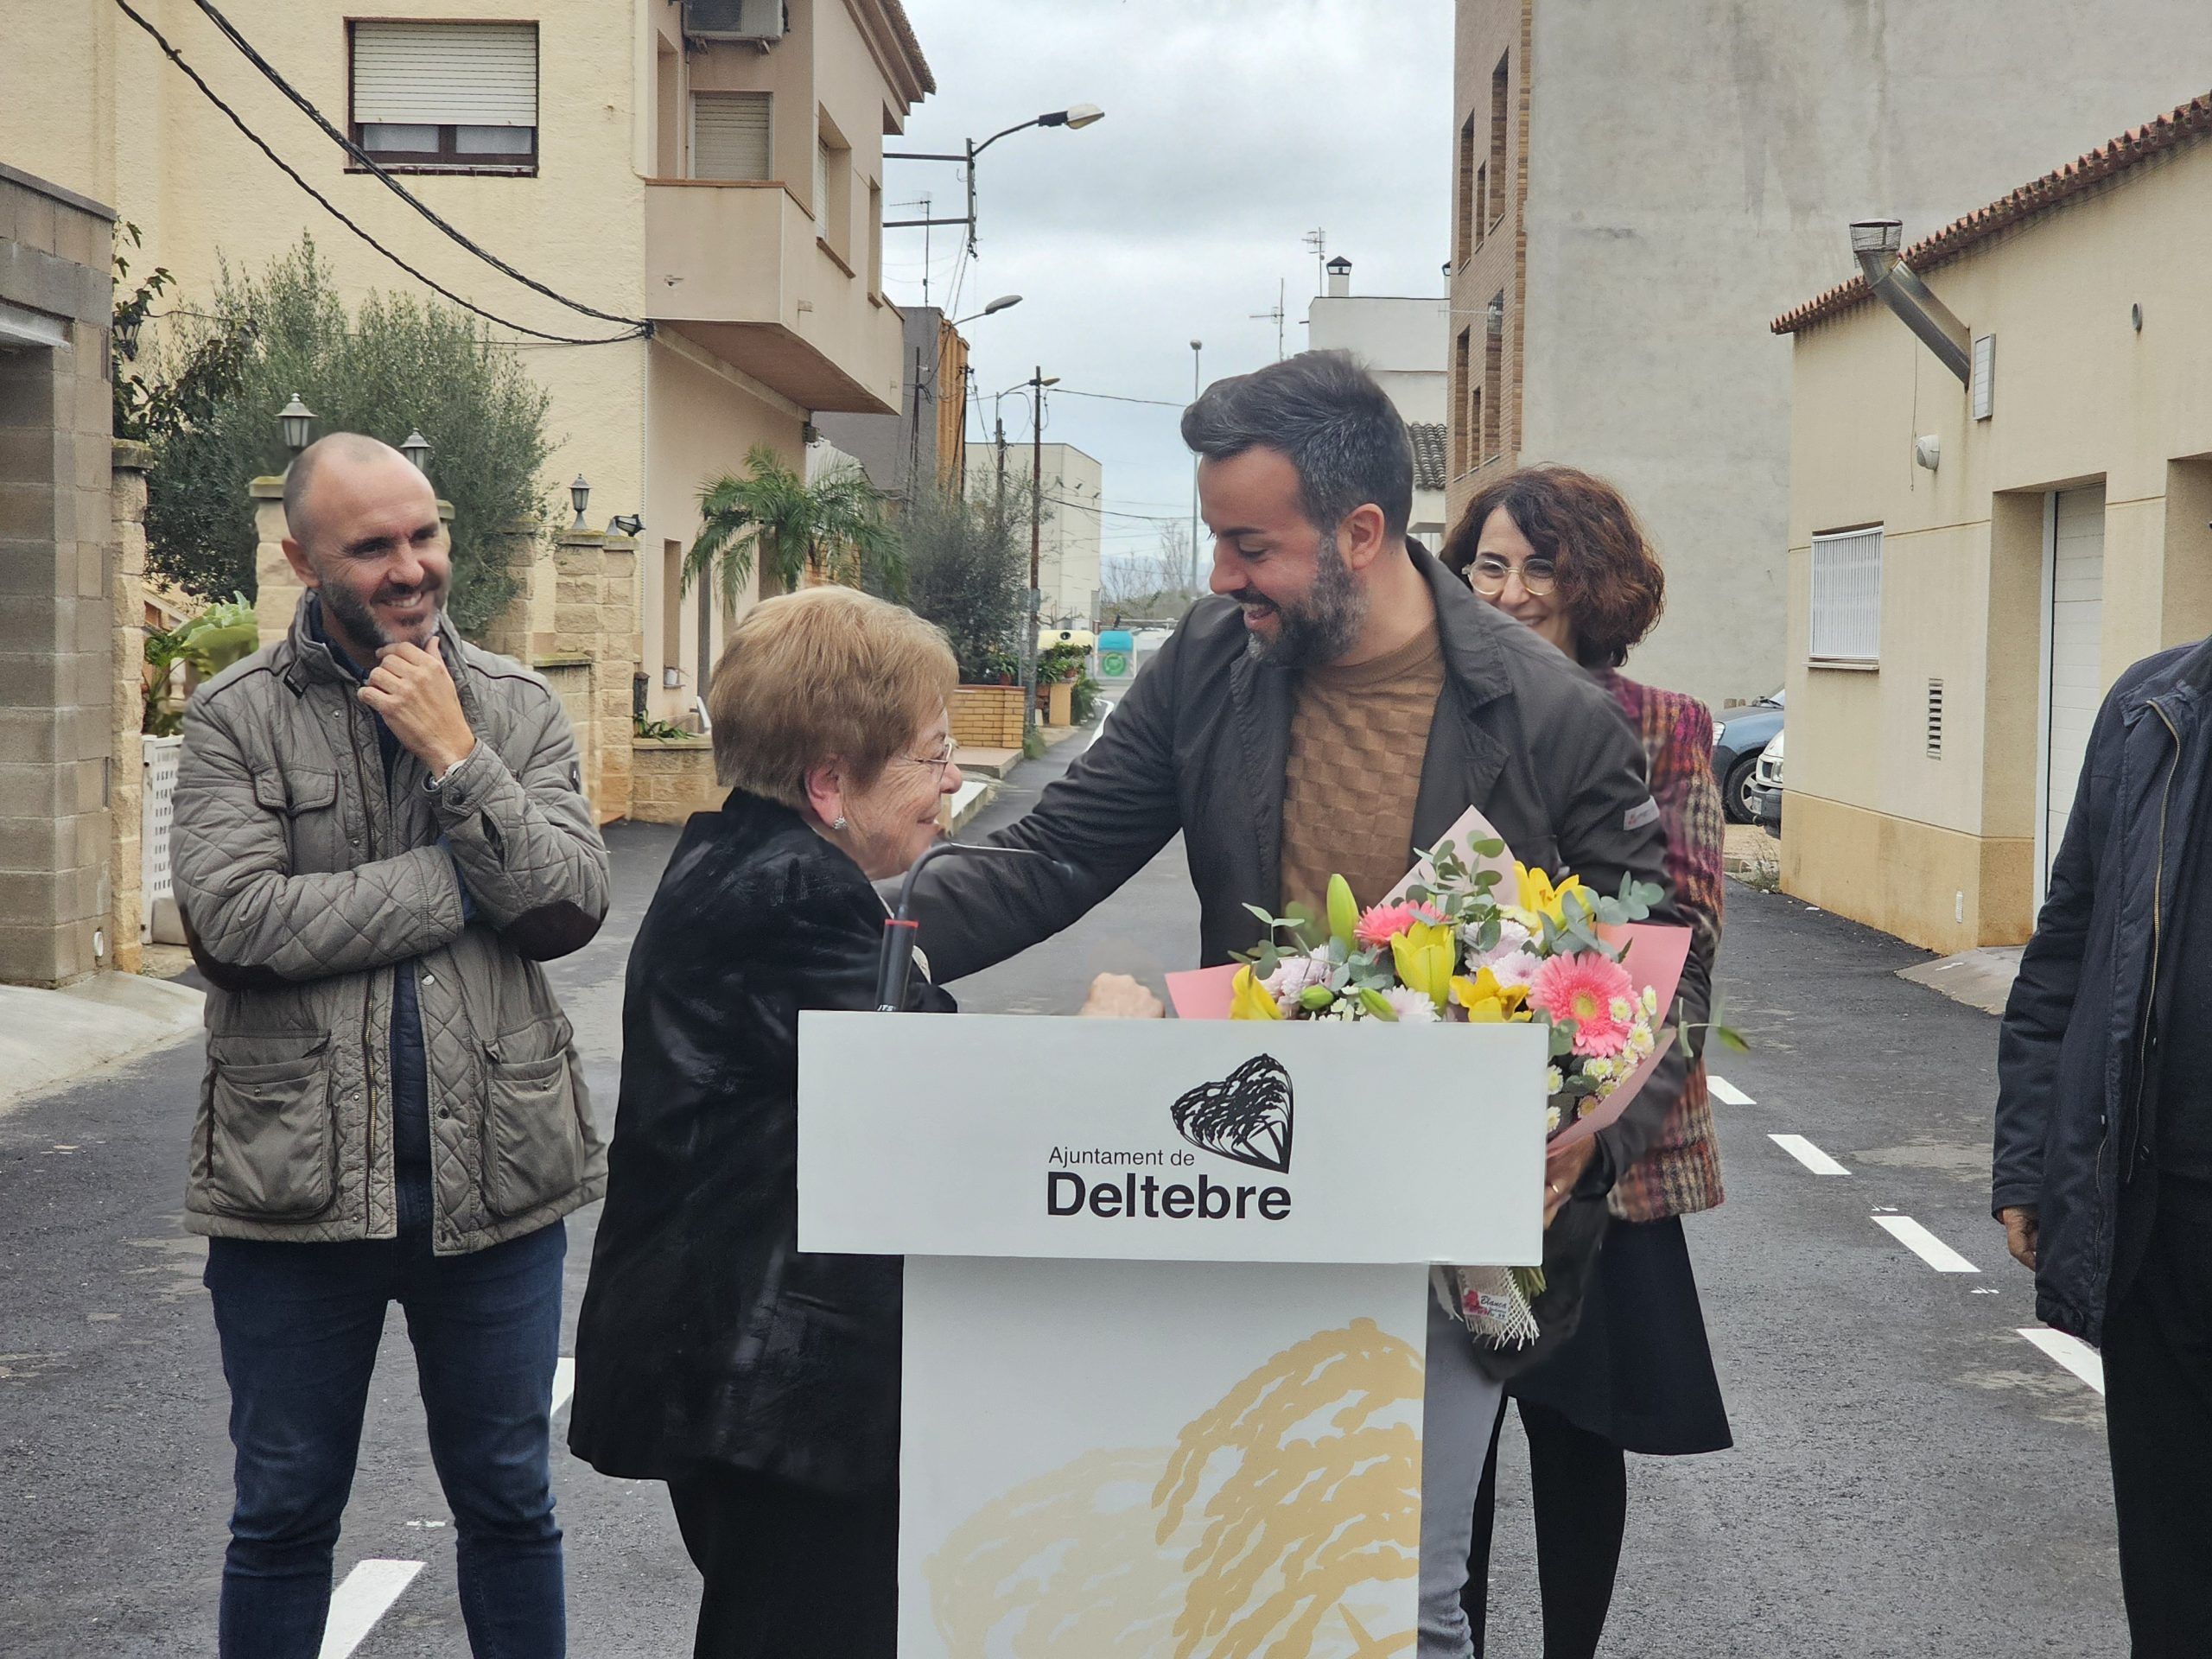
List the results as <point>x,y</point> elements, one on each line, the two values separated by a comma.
<point>1488,575</point>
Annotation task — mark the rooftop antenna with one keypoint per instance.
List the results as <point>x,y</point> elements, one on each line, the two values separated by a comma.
<point>1317,240</point>
<point>1276,315</point>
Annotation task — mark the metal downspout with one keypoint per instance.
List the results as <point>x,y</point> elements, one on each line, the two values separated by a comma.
<point>1876,242</point>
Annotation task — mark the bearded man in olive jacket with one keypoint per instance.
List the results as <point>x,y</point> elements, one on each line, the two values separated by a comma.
<point>379,834</point>
<point>1337,703</point>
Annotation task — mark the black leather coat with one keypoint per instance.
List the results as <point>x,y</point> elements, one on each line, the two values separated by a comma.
<point>707,1339</point>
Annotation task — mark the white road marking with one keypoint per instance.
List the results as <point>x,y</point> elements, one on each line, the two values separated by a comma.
<point>564,1381</point>
<point>2076,1355</point>
<point>1808,1154</point>
<point>357,1604</point>
<point>1924,1245</point>
<point>1105,714</point>
<point>1727,1093</point>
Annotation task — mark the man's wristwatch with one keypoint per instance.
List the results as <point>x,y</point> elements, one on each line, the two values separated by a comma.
<point>436,782</point>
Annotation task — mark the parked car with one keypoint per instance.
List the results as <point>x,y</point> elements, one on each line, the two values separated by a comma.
<point>1738,743</point>
<point>1766,788</point>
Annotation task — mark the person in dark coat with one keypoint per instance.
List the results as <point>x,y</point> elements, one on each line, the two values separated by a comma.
<point>759,1382</point>
<point>2103,1167</point>
<point>1561,552</point>
<point>1336,703</point>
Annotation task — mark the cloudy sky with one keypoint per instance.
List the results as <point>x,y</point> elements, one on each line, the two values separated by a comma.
<point>1232,129</point>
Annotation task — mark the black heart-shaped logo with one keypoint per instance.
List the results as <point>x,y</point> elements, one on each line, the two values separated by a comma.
<point>1245,1116</point>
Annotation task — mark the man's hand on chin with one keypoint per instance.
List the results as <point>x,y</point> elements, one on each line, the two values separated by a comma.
<point>411,692</point>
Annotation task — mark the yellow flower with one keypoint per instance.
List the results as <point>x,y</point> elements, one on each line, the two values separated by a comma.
<point>1424,955</point>
<point>1488,1003</point>
<point>1538,897</point>
<point>1250,1000</point>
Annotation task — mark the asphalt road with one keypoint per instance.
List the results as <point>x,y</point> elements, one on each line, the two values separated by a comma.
<point>1910,1477</point>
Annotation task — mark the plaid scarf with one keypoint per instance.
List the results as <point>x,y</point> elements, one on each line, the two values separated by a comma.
<point>1680,1175</point>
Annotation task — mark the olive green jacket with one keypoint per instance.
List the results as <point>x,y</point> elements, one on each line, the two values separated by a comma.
<point>303,882</point>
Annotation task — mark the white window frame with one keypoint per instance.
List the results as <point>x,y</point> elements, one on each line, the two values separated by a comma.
<point>1846,621</point>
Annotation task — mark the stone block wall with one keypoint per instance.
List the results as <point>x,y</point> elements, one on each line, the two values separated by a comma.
<point>58,639</point>
<point>987,716</point>
<point>673,777</point>
<point>126,804</point>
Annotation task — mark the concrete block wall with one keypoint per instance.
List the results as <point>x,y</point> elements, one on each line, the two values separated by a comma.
<point>987,716</point>
<point>58,638</point>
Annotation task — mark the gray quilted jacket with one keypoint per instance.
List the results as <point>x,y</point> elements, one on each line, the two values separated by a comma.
<point>303,884</point>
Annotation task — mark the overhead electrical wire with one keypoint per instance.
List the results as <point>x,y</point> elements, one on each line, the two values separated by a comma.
<point>335,212</point>
<point>363,159</point>
<point>1116,398</point>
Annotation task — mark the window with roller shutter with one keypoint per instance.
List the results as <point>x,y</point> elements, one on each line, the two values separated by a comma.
<point>730,136</point>
<point>452,96</point>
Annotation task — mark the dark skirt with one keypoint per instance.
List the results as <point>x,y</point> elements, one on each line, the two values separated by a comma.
<point>1637,1372</point>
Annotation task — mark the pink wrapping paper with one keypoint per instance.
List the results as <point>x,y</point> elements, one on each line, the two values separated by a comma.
<point>1655,958</point>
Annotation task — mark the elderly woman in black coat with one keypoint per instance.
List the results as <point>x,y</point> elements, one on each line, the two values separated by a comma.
<point>759,1382</point>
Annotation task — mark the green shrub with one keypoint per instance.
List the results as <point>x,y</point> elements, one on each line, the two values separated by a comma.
<point>396,364</point>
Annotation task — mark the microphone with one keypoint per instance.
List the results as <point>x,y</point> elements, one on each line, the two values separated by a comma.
<point>896,964</point>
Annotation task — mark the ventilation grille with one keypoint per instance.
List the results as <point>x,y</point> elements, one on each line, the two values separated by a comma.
<point>1981,388</point>
<point>1935,720</point>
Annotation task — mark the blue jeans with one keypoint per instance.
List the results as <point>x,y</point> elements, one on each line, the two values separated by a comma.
<point>299,1325</point>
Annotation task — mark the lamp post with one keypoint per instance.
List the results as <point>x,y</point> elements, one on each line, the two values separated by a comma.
<point>1004,302</point>
<point>416,449</point>
<point>579,497</point>
<point>1074,118</point>
<point>294,418</point>
<point>1195,346</point>
<point>1035,385</point>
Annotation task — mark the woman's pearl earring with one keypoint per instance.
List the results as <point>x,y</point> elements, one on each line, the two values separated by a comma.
<point>837,823</point>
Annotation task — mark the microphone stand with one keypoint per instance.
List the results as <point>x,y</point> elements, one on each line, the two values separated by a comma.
<point>896,964</point>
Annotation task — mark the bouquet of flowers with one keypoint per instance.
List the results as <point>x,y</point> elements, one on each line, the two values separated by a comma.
<point>1456,942</point>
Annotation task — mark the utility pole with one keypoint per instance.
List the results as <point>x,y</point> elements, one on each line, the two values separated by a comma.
<point>1036,549</point>
<point>1195,345</point>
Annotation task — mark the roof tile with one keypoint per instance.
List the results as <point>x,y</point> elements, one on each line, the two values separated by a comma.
<point>2132,149</point>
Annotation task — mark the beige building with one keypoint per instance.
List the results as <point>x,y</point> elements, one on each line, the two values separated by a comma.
<point>1640,187</point>
<point>1972,562</point>
<point>711,167</point>
<point>1070,533</point>
<point>1400,339</point>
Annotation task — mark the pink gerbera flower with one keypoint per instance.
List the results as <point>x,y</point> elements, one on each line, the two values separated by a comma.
<point>1383,922</point>
<point>1583,989</point>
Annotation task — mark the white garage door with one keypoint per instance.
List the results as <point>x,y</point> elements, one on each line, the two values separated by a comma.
<point>2078,605</point>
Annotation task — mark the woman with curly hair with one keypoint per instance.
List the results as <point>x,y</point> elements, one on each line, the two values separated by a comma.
<point>1560,550</point>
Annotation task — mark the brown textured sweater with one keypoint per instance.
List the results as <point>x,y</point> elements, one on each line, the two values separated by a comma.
<point>1356,744</point>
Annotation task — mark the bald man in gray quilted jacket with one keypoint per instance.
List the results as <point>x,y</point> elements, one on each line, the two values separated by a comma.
<point>379,834</point>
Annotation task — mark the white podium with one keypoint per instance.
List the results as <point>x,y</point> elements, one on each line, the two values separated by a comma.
<point>1166,1297</point>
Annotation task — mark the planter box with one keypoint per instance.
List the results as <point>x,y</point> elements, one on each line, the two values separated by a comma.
<point>987,716</point>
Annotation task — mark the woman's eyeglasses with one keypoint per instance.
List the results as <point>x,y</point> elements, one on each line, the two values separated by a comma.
<point>1487,576</point>
<point>937,762</point>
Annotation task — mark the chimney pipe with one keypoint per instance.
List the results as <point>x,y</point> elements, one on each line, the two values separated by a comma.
<point>1340,277</point>
<point>1876,243</point>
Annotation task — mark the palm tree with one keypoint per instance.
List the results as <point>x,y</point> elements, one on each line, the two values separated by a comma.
<point>832,530</point>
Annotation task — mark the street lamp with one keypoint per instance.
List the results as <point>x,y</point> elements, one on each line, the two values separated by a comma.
<point>1075,117</point>
<point>294,417</point>
<point>417,449</point>
<point>579,495</point>
<point>1196,345</point>
<point>1004,302</point>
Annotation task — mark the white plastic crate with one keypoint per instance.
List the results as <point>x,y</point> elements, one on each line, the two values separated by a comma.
<point>157,805</point>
